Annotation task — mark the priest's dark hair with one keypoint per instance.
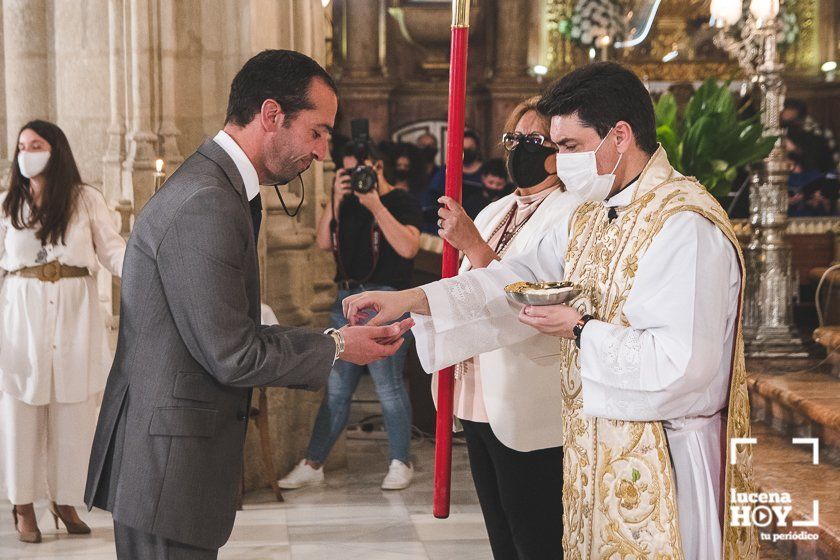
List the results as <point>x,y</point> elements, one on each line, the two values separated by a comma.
<point>601,94</point>
<point>62,184</point>
<point>281,75</point>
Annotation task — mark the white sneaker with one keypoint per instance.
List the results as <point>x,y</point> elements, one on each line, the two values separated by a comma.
<point>301,476</point>
<point>399,476</point>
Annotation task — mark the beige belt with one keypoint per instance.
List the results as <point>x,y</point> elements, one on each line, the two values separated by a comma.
<point>51,272</point>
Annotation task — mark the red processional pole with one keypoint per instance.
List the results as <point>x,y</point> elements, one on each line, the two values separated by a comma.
<point>454,176</point>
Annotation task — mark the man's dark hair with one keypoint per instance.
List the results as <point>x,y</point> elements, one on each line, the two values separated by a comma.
<point>284,76</point>
<point>495,167</point>
<point>797,105</point>
<point>474,135</point>
<point>349,149</point>
<point>600,95</point>
<point>810,151</point>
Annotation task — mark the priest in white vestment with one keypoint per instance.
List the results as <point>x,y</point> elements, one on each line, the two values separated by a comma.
<point>653,347</point>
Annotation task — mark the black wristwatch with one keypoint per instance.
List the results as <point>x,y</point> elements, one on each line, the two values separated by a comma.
<point>578,328</point>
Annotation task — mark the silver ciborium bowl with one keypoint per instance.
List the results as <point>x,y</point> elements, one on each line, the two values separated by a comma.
<point>541,293</point>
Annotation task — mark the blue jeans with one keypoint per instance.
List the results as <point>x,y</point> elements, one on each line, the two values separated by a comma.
<point>387,375</point>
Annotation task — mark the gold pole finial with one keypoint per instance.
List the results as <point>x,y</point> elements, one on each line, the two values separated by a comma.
<point>460,13</point>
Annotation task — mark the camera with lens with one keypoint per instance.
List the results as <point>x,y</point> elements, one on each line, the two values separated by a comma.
<point>363,178</point>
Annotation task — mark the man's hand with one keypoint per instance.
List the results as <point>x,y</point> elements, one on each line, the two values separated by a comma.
<point>388,306</point>
<point>370,200</point>
<point>554,320</point>
<point>341,187</point>
<point>363,345</point>
<point>456,227</point>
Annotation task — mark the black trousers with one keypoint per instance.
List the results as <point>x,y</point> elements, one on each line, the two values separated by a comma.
<point>134,544</point>
<point>521,495</point>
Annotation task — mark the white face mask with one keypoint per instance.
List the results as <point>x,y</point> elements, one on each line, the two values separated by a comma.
<point>579,172</point>
<point>32,164</point>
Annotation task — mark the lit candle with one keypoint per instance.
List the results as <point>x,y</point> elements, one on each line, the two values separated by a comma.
<point>726,12</point>
<point>604,43</point>
<point>159,174</point>
<point>764,10</point>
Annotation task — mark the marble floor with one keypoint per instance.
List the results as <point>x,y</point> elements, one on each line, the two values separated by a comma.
<point>348,519</point>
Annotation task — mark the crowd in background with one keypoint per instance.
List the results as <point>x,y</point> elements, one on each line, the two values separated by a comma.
<point>813,186</point>
<point>413,167</point>
<point>813,182</point>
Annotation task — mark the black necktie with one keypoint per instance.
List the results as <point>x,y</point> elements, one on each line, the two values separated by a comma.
<point>256,215</point>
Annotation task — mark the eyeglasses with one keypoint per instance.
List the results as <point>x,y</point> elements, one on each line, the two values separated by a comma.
<point>511,139</point>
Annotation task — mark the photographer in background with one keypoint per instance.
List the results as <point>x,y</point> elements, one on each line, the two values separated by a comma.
<point>373,230</point>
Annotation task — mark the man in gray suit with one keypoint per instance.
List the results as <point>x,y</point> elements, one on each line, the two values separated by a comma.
<point>167,456</point>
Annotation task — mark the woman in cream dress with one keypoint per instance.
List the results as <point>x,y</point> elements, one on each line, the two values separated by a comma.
<point>54,356</point>
<point>508,401</point>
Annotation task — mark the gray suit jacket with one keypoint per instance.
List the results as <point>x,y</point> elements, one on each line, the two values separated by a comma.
<point>167,455</point>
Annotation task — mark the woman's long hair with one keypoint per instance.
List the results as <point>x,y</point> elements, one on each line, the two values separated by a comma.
<point>62,185</point>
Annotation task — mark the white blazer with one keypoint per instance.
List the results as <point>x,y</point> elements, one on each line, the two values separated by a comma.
<point>521,382</point>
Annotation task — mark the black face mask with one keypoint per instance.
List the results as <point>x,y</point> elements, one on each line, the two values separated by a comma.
<point>401,174</point>
<point>526,164</point>
<point>470,156</point>
<point>428,153</point>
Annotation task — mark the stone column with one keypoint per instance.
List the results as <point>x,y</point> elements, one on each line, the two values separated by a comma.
<point>112,161</point>
<point>511,82</point>
<point>364,92</point>
<point>512,18</point>
<point>322,261</point>
<point>26,51</point>
<point>139,166</point>
<point>296,277</point>
<point>362,39</point>
<point>168,132</point>
<point>829,30</point>
<point>114,158</point>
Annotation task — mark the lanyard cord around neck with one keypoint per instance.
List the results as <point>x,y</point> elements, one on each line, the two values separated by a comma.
<point>507,237</point>
<point>505,222</point>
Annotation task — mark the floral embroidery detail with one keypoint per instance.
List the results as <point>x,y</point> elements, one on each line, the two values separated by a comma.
<point>628,493</point>
<point>465,297</point>
<point>42,256</point>
<point>631,265</point>
<point>622,354</point>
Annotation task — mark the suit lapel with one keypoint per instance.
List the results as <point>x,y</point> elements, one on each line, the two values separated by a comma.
<point>219,156</point>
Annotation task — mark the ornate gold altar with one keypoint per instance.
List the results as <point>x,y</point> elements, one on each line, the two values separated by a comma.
<point>680,26</point>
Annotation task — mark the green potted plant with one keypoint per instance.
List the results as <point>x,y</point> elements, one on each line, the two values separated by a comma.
<point>712,140</point>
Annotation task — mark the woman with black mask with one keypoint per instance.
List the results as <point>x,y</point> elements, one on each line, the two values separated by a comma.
<point>427,144</point>
<point>406,170</point>
<point>509,400</point>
